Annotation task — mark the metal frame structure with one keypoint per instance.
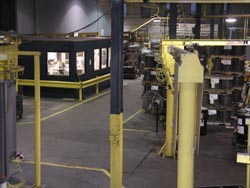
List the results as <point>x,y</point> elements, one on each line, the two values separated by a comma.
<point>116,101</point>
<point>68,85</point>
<point>37,141</point>
<point>189,1</point>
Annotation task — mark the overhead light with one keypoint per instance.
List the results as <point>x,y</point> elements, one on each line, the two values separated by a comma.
<point>231,20</point>
<point>156,20</point>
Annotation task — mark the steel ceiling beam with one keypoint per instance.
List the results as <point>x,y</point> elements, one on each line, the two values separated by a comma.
<point>189,1</point>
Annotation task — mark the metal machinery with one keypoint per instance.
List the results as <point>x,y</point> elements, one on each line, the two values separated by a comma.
<point>8,70</point>
<point>184,76</point>
<point>187,87</point>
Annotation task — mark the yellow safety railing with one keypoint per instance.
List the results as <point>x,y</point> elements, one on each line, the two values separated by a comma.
<point>68,85</point>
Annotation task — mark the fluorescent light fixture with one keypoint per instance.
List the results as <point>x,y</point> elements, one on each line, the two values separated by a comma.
<point>231,20</point>
<point>156,20</point>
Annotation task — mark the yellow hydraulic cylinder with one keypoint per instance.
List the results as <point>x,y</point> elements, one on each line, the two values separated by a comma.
<point>116,148</point>
<point>169,125</point>
<point>185,162</point>
<point>37,123</point>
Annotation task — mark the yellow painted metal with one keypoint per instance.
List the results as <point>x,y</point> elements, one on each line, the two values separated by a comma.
<point>50,83</point>
<point>147,22</point>
<point>190,79</point>
<point>37,122</point>
<point>185,161</point>
<point>243,158</point>
<point>210,65</point>
<point>189,1</point>
<point>116,147</point>
<point>104,171</point>
<point>202,42</point>
<point>169,126</point>
<point>191,71</point>
<point>68,85</point>
<point>97,88</point>
<point>168,62</point>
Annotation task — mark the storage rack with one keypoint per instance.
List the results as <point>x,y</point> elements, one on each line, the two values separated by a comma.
<point>223,87</point>
<point>131,61</point>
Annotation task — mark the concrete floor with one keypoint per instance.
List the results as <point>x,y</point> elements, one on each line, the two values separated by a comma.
<point>75,146</point>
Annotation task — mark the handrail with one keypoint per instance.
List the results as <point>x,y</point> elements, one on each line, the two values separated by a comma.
<point>68,85</point>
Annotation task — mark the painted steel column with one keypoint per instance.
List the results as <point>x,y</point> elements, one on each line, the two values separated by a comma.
<point>185,162</point>
<point>116,101</point>
<point>220,26</point>
<point>212,22</point>
<point>197,28</point>
<point>173,21</point>
<point>169,126</point>
<point>37,123</point>
<point>116,150</point>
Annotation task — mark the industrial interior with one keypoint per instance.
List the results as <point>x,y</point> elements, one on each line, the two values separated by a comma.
<point>124,94</point>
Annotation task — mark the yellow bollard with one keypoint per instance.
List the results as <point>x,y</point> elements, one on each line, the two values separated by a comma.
<point>116,150</point>
<point>97,88</point>
<point>37,123</point>
<point>80,92</point>
<point>185,162</point>
<point>169,125</point>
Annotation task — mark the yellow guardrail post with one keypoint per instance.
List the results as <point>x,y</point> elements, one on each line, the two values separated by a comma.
<point>97,88</point>
<point>37,123</point>
<point>80,91</point>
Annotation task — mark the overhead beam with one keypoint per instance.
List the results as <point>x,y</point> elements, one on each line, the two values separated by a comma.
<point>189,1</point>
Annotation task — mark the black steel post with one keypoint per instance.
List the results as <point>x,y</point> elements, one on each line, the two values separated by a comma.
<point>212,22</point>
<point>116,106</point>
<point>197,28</point>
<point>220,27</point>
<point>173,21</point>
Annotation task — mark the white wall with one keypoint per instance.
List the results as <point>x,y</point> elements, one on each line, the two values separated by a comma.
<point>104,25</point>
<point>61,16</point>
<point>25,16</point>
<point>64,16</point>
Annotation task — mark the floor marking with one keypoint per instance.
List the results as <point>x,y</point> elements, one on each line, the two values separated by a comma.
<point>70,167</point>
<point>137,130</point>
<point>67,109</point>
<point>132,116</point>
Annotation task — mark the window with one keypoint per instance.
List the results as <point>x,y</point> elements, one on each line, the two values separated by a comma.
<point>97,59</point>
<point>109,57</point>
<point>104,58</point>
<point>58,63</point>
<point>80,62</point>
